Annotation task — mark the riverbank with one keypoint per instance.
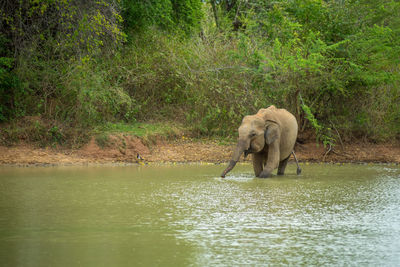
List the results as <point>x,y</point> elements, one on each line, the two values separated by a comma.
<point>124,150</point>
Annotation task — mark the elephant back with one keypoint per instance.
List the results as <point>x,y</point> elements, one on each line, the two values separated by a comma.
<point>288,125</point>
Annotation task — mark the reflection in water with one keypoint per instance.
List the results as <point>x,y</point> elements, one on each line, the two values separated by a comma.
<point>186,215</point>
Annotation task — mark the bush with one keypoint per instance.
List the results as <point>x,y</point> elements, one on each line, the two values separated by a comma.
<point>333,64</point>
<point>12,93</point>
<point>172,15</point>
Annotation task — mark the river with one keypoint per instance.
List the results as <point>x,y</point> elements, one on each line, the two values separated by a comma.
<point>185,215</point>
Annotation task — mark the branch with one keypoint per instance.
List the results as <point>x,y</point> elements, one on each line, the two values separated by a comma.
<point>337,132</point>
<point>327,152</point>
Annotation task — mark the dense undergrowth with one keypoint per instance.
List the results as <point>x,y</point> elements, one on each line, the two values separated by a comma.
<point>68,69</point>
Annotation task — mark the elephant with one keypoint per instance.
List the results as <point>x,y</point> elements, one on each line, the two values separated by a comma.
<point>270,136</point>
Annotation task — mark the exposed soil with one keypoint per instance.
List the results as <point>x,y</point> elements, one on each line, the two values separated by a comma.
<point>124,149</point>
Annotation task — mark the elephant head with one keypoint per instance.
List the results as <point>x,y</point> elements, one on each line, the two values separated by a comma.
<point>255,132</point>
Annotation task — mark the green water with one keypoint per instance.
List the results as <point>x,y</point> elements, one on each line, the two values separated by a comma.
<point>187,216</point>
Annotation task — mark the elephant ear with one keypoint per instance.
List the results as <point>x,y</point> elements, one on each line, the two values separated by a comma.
<point>271,133</point>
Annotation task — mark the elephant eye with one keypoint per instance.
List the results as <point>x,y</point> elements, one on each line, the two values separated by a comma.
<point>252,134</point>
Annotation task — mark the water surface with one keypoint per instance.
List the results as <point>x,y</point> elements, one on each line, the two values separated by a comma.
<point>346,215</point>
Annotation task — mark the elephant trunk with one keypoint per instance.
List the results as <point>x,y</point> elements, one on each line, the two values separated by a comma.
<point>231,165</point>
<point>240,148</point>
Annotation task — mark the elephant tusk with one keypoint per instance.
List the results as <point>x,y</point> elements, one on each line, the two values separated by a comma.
<point>246,153</point>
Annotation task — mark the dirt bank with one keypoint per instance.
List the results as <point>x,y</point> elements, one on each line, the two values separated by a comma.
<point>124,149</point>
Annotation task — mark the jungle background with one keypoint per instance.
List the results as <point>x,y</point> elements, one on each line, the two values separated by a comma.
<point>72,68</point>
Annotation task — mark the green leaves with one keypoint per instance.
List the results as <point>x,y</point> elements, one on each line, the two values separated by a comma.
<point>172,15</point>
<point>68,61</point>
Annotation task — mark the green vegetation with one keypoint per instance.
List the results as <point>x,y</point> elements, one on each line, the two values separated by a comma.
<point>144,130</point>
<point>111,65</point>
<point>148,132</point>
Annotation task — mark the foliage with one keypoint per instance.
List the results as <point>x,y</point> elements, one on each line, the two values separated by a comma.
<point>204,64</point>
<point>61,28</point>
<point>48,42</point>
<point>184,15</point>
<point>11,93</point>
<point>341,56</point>
<point>323,133</point>
<point>144,130</point>
<point>33,129</point>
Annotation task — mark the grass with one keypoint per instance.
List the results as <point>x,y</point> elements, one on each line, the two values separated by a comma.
<point>140,129</point>
<point>45,133</point>
<point>146,131</point>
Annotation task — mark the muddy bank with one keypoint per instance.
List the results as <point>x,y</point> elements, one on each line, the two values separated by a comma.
<point>124,150</point>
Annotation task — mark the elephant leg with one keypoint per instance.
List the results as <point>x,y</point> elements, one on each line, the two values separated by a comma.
<point>258,163</point>
<point>272,160</point>
<point>282,166</point>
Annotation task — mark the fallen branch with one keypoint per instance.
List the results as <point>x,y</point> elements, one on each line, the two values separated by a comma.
<point>337,132</point>
<point>332,150</point>
<point>327,152</point>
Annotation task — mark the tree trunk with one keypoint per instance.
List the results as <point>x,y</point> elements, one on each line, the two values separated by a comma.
<point>215,12</point>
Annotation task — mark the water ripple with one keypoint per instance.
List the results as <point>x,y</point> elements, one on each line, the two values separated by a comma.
<point>318,220</point>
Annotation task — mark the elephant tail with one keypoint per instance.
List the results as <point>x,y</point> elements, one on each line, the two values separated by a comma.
<point>297,163</point>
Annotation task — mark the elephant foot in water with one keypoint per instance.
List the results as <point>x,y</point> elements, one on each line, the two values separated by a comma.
<point>264,174</point>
